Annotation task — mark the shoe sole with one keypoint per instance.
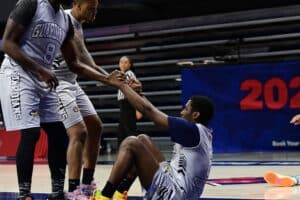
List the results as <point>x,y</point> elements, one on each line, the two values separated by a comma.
<point>275,179</point>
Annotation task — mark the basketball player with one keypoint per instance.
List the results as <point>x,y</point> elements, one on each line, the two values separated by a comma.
<point>35,31</point>
<point>276,179</point>
<point>185,176</point>
<point>78,114</point>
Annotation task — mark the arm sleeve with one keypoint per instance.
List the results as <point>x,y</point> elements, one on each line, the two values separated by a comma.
<point>23,12</point>
<point>183,132</point>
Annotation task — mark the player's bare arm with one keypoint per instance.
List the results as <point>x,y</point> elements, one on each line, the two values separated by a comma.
<point>11,39</point>
<point>141,103</point>
<point>70,52</point>
<point>84,54</point>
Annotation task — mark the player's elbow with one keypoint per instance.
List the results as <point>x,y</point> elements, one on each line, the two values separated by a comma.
<point>6,46</point>
<point>75,67</point>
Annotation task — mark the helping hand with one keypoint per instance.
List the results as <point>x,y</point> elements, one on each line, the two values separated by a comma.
<point>116,78</point>
<point>136,85</point>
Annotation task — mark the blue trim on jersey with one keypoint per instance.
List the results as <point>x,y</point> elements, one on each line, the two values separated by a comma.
<point>183,132</point>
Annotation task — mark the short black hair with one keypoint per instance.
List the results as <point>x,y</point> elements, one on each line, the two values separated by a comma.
<point>205,106</point>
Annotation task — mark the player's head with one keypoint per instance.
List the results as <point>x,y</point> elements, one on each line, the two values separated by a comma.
<point>86,10</point>
<point>199,109</point>
<point>125,63</point>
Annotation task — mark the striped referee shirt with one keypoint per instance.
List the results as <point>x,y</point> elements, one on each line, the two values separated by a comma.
<point>129,75</point>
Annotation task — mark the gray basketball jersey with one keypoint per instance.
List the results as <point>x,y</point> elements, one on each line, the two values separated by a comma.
<point>191,165</point>
<point>60,66</point>
<point>45,34</point>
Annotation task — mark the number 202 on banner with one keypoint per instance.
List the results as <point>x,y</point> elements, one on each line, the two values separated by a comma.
<point>273,94</point>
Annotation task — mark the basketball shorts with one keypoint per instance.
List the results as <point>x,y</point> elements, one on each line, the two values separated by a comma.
<point>164,185</point>
<point>25,101</point>
<point>74,104</point>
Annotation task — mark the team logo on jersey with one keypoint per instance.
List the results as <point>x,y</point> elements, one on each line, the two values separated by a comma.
<point>48,30</point>
<point>34,113</point>
<point>75,109</point>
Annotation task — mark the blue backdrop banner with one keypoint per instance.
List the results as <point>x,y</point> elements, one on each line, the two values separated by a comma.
<point>254,104</point>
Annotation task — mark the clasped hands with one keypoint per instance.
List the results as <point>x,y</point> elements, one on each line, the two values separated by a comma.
<point>117,79</point>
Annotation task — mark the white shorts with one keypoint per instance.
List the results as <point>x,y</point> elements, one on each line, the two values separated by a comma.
<point>25,101</point>
<point>74,104</point>
<point>164,186</point>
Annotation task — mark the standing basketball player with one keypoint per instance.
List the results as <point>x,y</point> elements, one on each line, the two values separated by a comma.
<point>78,114</point>
<point>35,31</point>
<point>185,176</point>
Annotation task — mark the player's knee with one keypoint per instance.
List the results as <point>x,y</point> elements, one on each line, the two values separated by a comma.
<point>80,138</point>
<point>77,136</point>
<point>130,142</point>
<point>143,138</point>
<point>94,125</point>
<point>77,132</point>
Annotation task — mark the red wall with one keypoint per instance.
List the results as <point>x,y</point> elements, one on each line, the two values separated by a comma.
<point>9,143</point>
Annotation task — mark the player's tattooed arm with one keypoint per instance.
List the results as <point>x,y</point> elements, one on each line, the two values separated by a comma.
<point>71,54</point>
<point>84,54</point>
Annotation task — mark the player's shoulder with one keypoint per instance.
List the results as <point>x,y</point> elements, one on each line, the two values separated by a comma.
<point>179,121</point>
<point>67,11</point>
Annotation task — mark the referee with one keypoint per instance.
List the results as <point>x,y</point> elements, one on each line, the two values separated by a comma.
<point>127,124</point>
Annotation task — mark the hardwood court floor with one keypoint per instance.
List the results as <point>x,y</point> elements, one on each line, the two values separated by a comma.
<point>225,166</point>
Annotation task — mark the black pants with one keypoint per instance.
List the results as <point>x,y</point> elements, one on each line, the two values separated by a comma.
<point>127,125</point>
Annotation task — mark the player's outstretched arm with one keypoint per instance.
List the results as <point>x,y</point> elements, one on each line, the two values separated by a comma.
<point>140,103</point>
<point>85,56</point>
<point>70,52</point>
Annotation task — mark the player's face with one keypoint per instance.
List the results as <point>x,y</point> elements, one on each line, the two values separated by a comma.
<point>186,112</point>
<point>124,64</point>
<point>88,10</point>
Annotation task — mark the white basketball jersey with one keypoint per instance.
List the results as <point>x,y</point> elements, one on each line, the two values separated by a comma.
<point>191,165</point>
<point>61,69</point>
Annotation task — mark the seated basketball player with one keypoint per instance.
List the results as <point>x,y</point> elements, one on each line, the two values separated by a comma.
<point>185,175</point>
<point>276,179</point>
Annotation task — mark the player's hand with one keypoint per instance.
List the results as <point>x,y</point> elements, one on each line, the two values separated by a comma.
<point>116,78</point>
<point>136,85</point>
<point>48,77</point>
<point>295,120</point>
